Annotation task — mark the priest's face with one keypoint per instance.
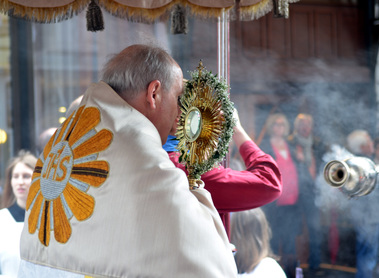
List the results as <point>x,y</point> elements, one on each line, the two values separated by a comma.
<point>175,125</point>
<point>170,109</point>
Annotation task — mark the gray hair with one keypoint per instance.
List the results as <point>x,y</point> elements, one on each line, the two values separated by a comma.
<point>355,140</point>
<point>132,70</point>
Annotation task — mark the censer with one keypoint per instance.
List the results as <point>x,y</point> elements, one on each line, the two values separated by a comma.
<point>355,176</point>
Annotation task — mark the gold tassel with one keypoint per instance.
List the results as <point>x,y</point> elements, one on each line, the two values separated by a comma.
<point>179,21</point>
<point>253,12</point>
<point>94,17</point>
<point>281,8</point>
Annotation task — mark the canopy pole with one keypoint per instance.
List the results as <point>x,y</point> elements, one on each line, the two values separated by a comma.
<point>223,52</point>
<point>223,46</point>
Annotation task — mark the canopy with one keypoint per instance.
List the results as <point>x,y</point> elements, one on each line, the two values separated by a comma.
<point>147,11</point>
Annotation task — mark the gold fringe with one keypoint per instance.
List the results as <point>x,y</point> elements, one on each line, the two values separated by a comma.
<point>56,14</point>
<point>43,15</point>
<point>151,15</point>
<point>136,14</point>
<point>205,12</point>
<point>255,11</point>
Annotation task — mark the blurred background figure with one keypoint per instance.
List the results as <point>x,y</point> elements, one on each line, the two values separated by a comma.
<point>18,177</point>
<point>43,138</point>
<point>284,214</point>
<point>74,104</point>
<point>359,143</point>
<point>364,211</point>
<point>251,233</point>
<point>308,151</point>
<point>376,150</point>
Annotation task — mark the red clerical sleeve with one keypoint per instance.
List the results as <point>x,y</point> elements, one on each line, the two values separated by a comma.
<point>256,186</point>
<point>233,190</point>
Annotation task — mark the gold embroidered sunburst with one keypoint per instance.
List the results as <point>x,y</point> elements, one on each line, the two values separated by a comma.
<point>64,172</point>
<point>205,125</point>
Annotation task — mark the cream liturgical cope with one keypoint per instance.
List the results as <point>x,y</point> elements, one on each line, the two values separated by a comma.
<point>106,201</point>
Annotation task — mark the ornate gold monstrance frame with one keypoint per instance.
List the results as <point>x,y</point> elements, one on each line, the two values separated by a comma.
<point>206,123</point>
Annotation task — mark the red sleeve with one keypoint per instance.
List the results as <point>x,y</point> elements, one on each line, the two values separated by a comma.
<point>233,190</point>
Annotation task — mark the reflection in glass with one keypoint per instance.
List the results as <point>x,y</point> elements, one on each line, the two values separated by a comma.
<point>192,126</point>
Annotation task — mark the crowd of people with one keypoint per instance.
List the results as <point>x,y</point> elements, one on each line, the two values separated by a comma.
<point>310,208</point>
<point>296,153</point>
<point>108,197</point>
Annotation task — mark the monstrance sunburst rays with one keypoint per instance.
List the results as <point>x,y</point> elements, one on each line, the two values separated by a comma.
<point>206,114</point>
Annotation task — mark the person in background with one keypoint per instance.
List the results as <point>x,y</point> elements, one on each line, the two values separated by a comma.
<point>106,201</point>
<point>307,156</point>
<point>251,234</point>
<point>73,105</point>
<point>18,177</point>
<point>364,211</point>
<point>284,215</point>
<point>43,138</point>
<point>258,184</point>
<point>376,148</point>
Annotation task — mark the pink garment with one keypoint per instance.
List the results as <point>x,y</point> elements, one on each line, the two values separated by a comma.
<point>290,180</point>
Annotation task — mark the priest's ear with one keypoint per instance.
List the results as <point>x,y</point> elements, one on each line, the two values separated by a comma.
<point>154,91</point>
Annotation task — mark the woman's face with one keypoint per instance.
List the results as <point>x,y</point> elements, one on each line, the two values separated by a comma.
<point>305,128</point>
<point>20,181</point>
<point>279,127</point>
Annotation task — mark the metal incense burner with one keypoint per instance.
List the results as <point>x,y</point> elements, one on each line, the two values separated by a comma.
<point>355,176</point>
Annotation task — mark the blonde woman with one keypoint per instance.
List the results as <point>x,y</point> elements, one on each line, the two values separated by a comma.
<point>284,215</point>
<point>251,233</point>
<point>18,177</point>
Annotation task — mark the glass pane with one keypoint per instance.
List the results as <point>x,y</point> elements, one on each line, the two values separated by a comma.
<point>316,62</point>
<point>67,58</point>
<point>5,97</point>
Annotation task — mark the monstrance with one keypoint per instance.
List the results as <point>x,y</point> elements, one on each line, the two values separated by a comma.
<point>206,123</point>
